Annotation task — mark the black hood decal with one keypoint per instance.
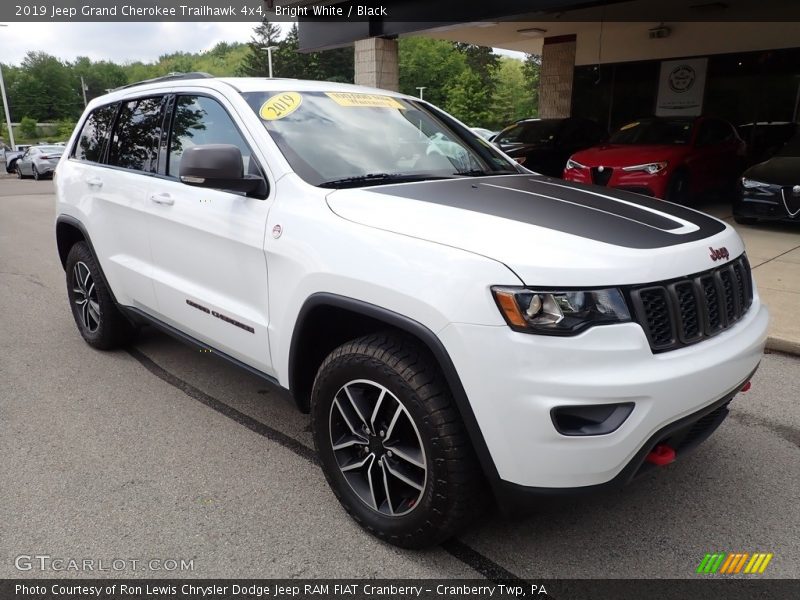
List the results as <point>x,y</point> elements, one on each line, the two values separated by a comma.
<point>602,214</point>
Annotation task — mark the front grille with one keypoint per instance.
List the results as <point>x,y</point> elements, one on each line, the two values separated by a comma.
<point>601,177</point>
<point>684,311</point>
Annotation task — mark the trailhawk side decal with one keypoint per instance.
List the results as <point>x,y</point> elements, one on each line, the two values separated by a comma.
<point>604,215</point>
<point>220,316</point>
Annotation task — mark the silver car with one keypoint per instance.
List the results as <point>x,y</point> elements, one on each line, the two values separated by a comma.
<point>39,161</point>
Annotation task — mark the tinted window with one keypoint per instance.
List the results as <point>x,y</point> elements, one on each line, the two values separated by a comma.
<point>199,120</point>
<point>94,134</point>
<point>531,132</point>
<point>134,144</point>
<point>654,131</point>
<point>714,132</point>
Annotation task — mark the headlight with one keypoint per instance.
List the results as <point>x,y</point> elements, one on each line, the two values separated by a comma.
<point>651,168</point>
<point>753,184</point>
<point>574,164</point>
<point>560,312</point>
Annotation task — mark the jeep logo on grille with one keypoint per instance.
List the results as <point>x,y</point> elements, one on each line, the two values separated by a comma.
<point>719,253</point>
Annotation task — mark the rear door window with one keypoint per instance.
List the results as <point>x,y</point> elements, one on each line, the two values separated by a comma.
<point>137,133</point>
<point>94,134</point>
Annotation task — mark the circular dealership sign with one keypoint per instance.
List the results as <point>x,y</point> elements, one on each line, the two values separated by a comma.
<point>682,78</point>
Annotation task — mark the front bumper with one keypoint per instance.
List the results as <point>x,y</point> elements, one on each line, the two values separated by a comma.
<point>513,380</point>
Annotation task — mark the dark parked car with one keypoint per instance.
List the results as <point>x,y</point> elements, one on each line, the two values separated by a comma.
<point>771,189</point>
<point>765,138</point>
<point>673,158</point>
<point>544,145</point>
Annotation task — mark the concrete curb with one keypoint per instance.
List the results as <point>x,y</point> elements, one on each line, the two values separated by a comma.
<point>783,345</point>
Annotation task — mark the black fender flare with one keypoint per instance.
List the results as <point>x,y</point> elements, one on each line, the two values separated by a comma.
<point>428,338</point>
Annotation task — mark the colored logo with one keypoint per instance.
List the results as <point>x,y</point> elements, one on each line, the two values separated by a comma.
<point>681,79</point>
<point>719,253</point>
<point>735,562</point>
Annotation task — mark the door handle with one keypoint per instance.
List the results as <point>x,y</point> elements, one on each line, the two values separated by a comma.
<point>163,198</point>
<point>94,182</point>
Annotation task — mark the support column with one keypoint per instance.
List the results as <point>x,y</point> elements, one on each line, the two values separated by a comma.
<point>376,63</point>
<point>555,77</point>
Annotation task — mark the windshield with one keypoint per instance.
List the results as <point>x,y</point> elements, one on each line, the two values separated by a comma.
<point>654,131</point>
<point>331,137</point>
<point>530,132</point>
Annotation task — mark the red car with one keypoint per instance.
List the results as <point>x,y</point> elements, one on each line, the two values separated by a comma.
<point>674,158</point>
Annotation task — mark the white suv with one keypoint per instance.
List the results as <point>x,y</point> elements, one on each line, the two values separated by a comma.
<point>454,323</point>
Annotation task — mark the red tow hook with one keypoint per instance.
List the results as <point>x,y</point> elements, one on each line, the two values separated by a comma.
<point>661,455</point>
<point>746,387</point>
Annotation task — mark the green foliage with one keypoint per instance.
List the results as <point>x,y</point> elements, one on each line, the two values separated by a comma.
<point>27,128</point>
<point>514,98</point>
<point>64,128</point>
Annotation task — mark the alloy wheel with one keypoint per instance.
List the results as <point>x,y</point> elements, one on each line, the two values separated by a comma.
<point>35,172</point>
<point>85,297</point>
<point>377,447</point>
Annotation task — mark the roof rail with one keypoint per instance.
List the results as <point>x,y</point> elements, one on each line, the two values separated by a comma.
<point>168,77</point>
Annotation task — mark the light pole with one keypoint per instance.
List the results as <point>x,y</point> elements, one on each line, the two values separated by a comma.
<point>5,105</point>
<point>421,88</point>
<point>269,50</point>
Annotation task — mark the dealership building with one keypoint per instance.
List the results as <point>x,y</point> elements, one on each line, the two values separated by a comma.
<point>607,60</point>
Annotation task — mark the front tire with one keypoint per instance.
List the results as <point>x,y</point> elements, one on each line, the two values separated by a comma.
<point>19,173</point>
<point>35,173</point>
<point>678,188</point>
<point>99,321</point>
<point>392,444</point>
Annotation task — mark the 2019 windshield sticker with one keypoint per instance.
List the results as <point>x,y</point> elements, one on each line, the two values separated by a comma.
<point>280,105</point>
<point>364,100</point>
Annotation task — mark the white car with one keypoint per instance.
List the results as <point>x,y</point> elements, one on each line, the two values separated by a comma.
<point>454,324</point>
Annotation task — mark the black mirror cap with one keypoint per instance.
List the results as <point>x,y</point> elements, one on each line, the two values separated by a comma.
<point>219,166</point>
<point>211,161</point>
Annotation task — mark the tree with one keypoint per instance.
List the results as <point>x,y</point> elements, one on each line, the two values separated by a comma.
<point>256,62</point>
<point>434,64</point>
<point>470,100</point>
<point>27,128</point>
<point>513,98</point>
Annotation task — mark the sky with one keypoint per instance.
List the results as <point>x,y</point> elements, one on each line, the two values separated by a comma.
<point>123,42</point>
<point>117,42</point>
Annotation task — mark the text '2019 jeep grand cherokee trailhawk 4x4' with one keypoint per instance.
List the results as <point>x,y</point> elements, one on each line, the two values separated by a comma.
<point>448,318</point>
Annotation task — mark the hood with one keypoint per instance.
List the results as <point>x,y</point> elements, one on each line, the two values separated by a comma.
<point>779,170</point>
<point>548,231</point>
<point>623,155</point>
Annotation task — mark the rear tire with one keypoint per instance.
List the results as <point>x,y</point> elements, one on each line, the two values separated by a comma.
<point>678,188</point>
<point>99,321</point>
<point>382,414</point>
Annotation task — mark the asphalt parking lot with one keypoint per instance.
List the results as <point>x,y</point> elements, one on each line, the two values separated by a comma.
<point>167,453</point>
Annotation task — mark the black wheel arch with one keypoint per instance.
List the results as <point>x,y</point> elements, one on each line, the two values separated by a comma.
<point>346,319</point>
<point>70,231</point>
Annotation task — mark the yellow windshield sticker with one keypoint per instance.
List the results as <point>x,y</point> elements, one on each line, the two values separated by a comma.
<point>363,100</point>
<point>280,105</point>
<point>629,126</point>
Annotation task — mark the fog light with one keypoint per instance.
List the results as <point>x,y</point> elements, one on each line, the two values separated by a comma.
<point>595,419</point>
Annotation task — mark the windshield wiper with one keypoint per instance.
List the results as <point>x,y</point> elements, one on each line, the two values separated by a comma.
<point>377,179</point>
<point>483,173</point>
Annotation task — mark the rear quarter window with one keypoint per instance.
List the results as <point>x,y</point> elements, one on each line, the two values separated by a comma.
<point>94,134</point>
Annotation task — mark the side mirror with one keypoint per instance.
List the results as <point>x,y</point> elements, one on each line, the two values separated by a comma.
<point>218,166</point>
